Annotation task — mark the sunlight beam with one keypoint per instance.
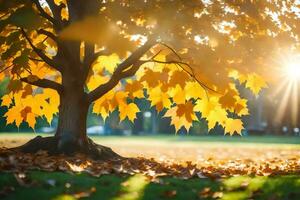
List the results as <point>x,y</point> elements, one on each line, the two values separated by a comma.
<point>295,104</point>
<point>283,104</point>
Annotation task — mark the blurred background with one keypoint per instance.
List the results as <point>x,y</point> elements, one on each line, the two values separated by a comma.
<point>269,115</point>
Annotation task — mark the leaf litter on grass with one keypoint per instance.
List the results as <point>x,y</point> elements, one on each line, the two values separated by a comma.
<point>265,165</point>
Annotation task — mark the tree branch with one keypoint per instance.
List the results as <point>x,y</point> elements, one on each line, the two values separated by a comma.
<point>48,34</point>
<point>6,68</point>
<point>4,15</point>
<point>190,73</point>
<point>135,56</point>
<point>43,12</point>
<point>54,8</point>
<point>35,59</point>
<point>40,53</point>
<point>122,71</point>
<point>44,83</point>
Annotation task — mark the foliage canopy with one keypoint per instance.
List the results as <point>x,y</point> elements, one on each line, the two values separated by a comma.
<point>185,57</point>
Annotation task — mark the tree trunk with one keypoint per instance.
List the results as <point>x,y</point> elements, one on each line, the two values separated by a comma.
<point>71,130</point>
<point>71,137</point>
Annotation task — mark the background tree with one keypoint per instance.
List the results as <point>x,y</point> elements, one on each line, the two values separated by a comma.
<point>185,57</point>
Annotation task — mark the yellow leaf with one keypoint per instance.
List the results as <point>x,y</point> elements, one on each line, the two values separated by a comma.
<point>30,119</point>
<point>186,110</point>
<point>151,77</point>
<point>119,98</point>
<point>194,90</point>
<point>96,80</point>
<point>128,110</point>
<point>64,14</point>
<point>179,118</point>
<point>6,101</point>
<point>206,105</point>
<point>240,108</point>
<point>212,111</point>
<point>255,83</point>
<point>135,89</point>
<point>158,98</point>
<point>180,78</point>
<point>218,115</point>
<point>233,126</point>
<point>228,101</point>
<point>178,95</point>
<point>103,105</point>
<point>58,2</point>
<point>14,115</point>
<point>109,63</point>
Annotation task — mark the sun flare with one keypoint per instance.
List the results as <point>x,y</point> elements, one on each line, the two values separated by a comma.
<point>288,89</point>
<point>292,71</point>
<point>291,67</point>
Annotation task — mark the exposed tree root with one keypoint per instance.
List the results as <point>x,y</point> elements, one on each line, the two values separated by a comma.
<point>51,145</point>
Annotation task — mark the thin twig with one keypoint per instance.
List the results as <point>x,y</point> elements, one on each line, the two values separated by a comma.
<point>6,68</point>
<point>39,52</point>
<point>4,15</point>
<point>35,59</point>
<point>173,50</point>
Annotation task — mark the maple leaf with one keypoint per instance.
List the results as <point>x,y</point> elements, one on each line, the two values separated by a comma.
<point>180,78</point>
<point>212,111</point>
<point>103,105</point>
<point>151,78</point>
<point>128,110</point>
<point>194,90</point>
<point>178,95</point>
<point>27,91</point>
<point>233,126</point>
<point>255,83</point>
<point>135,89</point>
<point>186,110</point>
<point>216,116</point>
<point>30,119</point>
<point>95,81</point>
<point>108,63</point>
<point>182,115</point>
<point>228,100</point>
<point>159,99</point>
<point>240,107</point>
<point>206,105</point>
<point>14,115</point>
<point>120,98</point>
<point>6,101</point>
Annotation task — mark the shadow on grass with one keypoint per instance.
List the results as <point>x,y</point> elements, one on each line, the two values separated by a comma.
<point>63,186</point>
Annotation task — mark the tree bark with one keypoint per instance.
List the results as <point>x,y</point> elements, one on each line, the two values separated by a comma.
<point>71,130</point>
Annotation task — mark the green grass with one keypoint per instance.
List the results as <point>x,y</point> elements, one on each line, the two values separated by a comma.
<point>211,139</point>
<point>293,140</point>
<point>64,186</point>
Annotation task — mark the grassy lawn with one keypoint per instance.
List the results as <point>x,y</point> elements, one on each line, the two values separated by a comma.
<point>177,139</point>
<point>63,186</point>
<point>59,185</point>
<point>176,147</point>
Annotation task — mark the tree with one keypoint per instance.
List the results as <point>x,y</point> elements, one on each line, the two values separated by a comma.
<point>185,57</point>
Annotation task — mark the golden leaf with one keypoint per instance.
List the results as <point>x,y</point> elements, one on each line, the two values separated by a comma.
<point>158,98</point>
<point>255,83</point>
<point>233,126</point>
<point>6,100</point>
<point>128,110</point>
